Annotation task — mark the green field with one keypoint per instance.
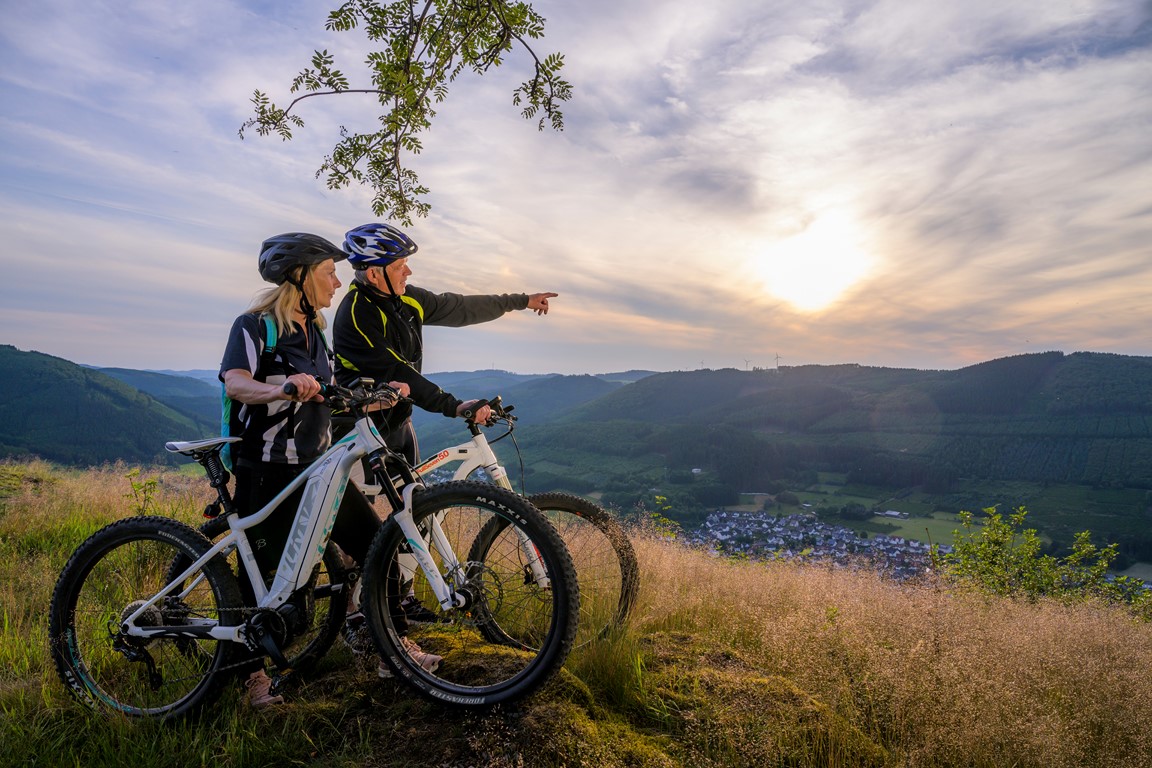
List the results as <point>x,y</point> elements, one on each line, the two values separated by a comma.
<point>1057,511</point>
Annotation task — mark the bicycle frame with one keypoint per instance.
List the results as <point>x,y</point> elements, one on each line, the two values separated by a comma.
<point>472,455</point>
<point>324,482</point>
<point>476,454</point>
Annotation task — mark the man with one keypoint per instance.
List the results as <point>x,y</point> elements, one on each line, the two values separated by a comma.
<point>378,330</point>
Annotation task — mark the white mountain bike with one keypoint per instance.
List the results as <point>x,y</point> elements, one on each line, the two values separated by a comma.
<point>604,558</point>
<point>147,617</point>
<point>601,552</point>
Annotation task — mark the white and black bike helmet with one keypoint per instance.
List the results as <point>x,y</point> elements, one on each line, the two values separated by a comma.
<point>377,245</point>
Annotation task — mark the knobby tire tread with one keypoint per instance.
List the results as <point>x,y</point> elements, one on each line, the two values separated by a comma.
<point>614,532</point>
<point>61,612</point>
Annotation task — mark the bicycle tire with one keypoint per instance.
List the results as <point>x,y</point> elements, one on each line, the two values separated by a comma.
<point>512,635</point>
<point>324,605</point>
<point>109,575</point>
<point>602,554</point>
<point>604,559</point>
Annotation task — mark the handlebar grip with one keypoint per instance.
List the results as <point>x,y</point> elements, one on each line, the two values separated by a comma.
<point>470,413</point>
<point>290,389</point>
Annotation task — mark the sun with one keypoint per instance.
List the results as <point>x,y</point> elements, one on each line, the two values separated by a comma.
<point>813,268</point>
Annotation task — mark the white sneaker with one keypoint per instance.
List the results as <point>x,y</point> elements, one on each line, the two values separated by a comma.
<point>430,662</point>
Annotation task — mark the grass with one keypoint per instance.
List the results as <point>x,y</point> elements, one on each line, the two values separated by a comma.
<point>725,663</point>
<point>938,528</point>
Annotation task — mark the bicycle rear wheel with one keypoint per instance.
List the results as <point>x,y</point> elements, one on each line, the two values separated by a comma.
<point>322,603</point>
<point>109,577</point>
<point>513,631</point>
<point>603,556</point>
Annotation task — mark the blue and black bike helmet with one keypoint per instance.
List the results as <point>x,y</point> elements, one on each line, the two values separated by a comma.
<point>377,245</point>
<point>279,255</point>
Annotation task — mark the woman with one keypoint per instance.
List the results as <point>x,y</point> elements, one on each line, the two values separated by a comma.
<point>282,434</point>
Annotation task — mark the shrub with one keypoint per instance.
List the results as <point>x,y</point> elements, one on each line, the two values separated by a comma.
<point>1005,558</point>
<point>788,498</point>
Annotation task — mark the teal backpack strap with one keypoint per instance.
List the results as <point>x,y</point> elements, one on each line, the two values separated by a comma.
<point>270,337</point>
<point>225,427</point>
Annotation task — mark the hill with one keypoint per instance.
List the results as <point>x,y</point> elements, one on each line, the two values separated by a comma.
<point>201,374</point>
<point>1074,429</point>
<point>1069,436</point>
<point>193,397</point>
<point>70,414</point>
<point>1081,418</point>
<point>536,400</point>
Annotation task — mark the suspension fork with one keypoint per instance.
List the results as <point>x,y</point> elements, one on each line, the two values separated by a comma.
<point>445,593</point>
<point>419,541</point>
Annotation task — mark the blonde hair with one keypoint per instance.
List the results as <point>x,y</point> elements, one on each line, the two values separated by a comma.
<point>283,301</point>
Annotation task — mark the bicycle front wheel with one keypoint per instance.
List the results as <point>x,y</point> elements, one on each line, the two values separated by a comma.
<point>517,612</point>
<point>107,579</point>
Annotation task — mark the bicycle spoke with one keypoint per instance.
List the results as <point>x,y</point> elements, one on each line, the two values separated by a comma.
<point>516,625</point>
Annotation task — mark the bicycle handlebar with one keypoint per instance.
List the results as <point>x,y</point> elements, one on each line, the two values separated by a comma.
<point>499,411</point>
<point>362,393</point>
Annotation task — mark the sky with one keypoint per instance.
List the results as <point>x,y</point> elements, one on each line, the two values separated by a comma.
<point>741,183</point>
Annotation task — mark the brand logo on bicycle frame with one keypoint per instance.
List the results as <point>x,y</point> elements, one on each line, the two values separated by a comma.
<point>434,462</point>
<point>310,506</point>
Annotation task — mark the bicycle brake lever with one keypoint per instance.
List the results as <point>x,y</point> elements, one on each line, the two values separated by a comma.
<point>385,393</point>
<point>499,410</point>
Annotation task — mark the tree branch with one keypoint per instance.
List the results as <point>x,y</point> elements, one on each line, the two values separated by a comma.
<point>423,45</point>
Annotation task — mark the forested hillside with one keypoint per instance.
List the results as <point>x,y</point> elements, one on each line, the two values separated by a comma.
<point>193,397</point>
<point>70,414</point>
<point>535,400</point>
<point>1080,418</point>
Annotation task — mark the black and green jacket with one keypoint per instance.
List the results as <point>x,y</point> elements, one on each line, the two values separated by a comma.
<point>381,337</point>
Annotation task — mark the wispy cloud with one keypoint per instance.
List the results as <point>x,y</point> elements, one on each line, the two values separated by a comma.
<point>988,160</point>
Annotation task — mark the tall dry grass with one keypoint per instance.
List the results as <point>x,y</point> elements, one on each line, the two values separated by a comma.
<point>884,673</point>
<point>725,663</point>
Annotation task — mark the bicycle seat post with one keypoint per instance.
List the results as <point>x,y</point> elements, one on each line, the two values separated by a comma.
<point>218,478</point>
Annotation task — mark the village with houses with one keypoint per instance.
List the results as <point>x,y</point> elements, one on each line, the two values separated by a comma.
<point>764,536</point>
